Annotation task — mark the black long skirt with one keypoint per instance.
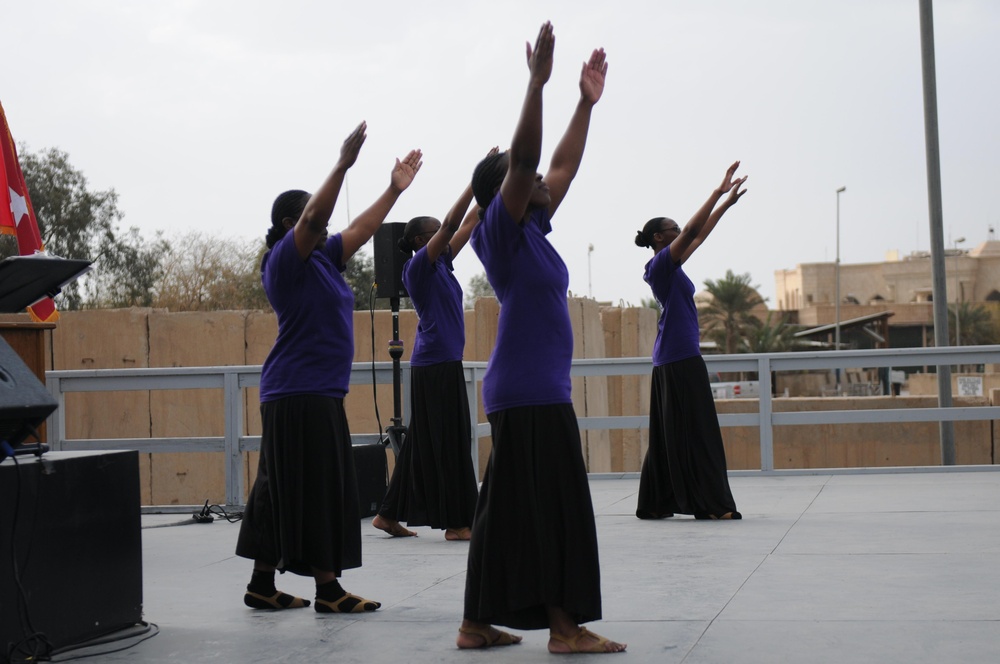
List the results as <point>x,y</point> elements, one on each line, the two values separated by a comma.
<point>684,471</point>
<point>302,512</point>
<point>434,482</point>
<point>534,541</point>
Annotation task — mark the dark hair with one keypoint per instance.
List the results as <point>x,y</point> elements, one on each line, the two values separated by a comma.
<point>644,238</point>
<point>289,204</point>
<point>487,178</point>
<point>413,228</point>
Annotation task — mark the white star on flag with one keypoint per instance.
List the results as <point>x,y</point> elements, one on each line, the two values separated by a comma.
<point>18,206</point>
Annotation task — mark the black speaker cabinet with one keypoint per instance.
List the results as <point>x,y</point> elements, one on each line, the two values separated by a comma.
<point>77,544</point>
<point>389,259</point>
<point>371,467</point>
<point>24,401</point>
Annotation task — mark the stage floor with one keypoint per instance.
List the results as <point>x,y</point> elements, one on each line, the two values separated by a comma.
<point>825,568</point>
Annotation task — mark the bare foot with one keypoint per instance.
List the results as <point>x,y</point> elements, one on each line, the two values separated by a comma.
<point>476,635</point>
<point>394,528</point>
<point>457,534</point>
<point>582,641</point>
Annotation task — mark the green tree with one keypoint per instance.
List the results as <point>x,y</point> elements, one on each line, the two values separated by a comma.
<point>727,317</point>
<point>977,325</point>
<point>651,303</point>
<point>479,286</point>
<point>132,256</point>
<point>76,222</point>
<point>769,335</point>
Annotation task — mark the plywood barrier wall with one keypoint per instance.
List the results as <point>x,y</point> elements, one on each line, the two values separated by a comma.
<point>103,339</point>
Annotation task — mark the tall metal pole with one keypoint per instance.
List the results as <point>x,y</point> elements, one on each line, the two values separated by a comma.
<point>836,335</point>
<point>836,316</point>
<point>958,295</point>
<point>590,286</point>
<point>938,281</point>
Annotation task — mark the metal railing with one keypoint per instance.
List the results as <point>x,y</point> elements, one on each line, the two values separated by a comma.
<point>233,380</point>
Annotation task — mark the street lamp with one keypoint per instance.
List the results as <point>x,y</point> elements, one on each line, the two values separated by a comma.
<point>590,286</point>
<point>836,325</point>
<point>836,338</point>
<point>958,296</point>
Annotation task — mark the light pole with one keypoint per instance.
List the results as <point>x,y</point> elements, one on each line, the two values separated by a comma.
<point>836,339</point>
<point>590,286</point>
<point>836,324</point>
<point>958,296</point>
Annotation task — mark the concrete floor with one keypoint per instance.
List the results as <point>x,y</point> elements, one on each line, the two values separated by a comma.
<point>825,568</point>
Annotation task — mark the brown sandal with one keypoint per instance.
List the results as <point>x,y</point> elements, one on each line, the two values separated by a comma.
<point>342,605</point>
<point>573,642</point>
<point>501,639</point>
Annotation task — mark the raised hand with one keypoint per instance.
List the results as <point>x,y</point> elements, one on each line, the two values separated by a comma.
<point>405,170</point>
<point>540,59</point>
<point>592,76</point>
<point>728,181</point>
<point>352,146</point>
<point>732,185</point>
<point>735,192</point>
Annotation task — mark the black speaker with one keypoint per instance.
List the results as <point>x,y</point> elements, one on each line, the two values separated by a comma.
<point>371,467</point>
<point>77,540</point>
<point>24,401</point>
<point>389,259</point>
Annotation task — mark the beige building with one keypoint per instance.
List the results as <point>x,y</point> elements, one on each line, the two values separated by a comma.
<point>902,286</point>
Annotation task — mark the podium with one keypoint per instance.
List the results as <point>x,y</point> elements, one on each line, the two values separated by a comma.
<point>70,532</point>
<point>24,403</point>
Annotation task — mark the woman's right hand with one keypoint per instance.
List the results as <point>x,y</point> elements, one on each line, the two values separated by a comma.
<point>404,171</point>
<point>352,146</point>
<point>540,59</point>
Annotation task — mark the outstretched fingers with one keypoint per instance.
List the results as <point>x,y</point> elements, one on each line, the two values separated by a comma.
<point>405,170</point>
<point>736,192</point>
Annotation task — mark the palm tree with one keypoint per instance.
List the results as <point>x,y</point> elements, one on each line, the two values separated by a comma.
<point>769,336</point>
<point>977,326</point>
<point>727,317</point>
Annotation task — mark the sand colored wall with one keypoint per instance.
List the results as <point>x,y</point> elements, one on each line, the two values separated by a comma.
<point>855,445</point>
<point>156,338</point>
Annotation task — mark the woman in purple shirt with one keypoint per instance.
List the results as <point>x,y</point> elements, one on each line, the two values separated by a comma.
<point>533,560</point>
<point>434,482</point>
<point>302,514</point>
<point>684,470</point>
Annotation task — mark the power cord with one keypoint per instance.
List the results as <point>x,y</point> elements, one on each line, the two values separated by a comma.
<point>371,310</point>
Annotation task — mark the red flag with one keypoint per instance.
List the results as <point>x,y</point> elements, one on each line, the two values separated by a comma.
<point>17,217</point>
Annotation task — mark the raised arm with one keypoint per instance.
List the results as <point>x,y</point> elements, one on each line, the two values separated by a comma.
<point>310,228</point>
<point>705,219</point>
<point>526,145</point>
<point>446,234</point>
<point>455,228</point>
<point>363,227</point>
<point>568,154</point>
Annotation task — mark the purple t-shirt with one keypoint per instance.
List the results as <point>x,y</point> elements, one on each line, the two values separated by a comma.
<point>677,336</point>
<point>315,307</point>
<point>531,360</point>
<point>437,297</point>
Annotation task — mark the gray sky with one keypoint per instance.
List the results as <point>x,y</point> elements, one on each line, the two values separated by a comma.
<point>200,113</point>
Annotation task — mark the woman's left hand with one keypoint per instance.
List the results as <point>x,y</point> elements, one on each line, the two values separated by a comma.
<point>405,170</point>
<point>592,76</point>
